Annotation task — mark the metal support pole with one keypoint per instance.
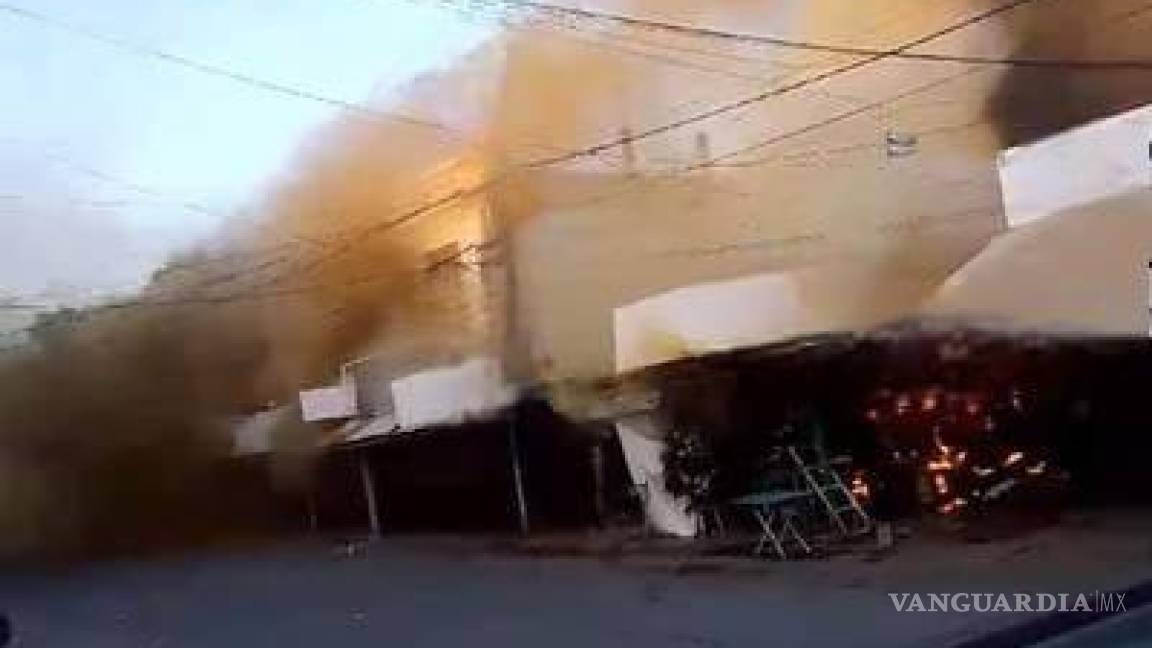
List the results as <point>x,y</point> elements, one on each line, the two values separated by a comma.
<point>597,460</point>
<point>368,479</point>
<point>517,473</point>
<point>313,510</point>
<point>514,353</point>
<point>1148,283</point>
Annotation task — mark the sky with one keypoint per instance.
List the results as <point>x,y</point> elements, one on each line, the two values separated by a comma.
<point>111,158</point>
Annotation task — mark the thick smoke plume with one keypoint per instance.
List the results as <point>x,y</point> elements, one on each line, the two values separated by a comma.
<point>116,421</point>
<point>1032,103</point>
<point>107,432</point>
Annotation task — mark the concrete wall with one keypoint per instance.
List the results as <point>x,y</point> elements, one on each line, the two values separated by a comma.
<point>866,247</point>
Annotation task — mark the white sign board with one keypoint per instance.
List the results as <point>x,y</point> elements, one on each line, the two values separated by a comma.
<point>327,403</point>
<point>708,317</point>
<point>449,394</point>
<point>1100,160</point>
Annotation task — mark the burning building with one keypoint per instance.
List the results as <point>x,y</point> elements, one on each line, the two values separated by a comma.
<point>565,268</point>
<point>591,174</point>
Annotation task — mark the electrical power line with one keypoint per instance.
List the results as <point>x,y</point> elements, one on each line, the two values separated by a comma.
<point>598,149</point>
<point>597,38</point>
<point>221,72</point>
<point>799,240</point>
<point>206,68</point>
<point>715,55</point>
<point>260,293</point>
<point>834,119</point>
<point>776,41</point>
<point>214,70</point>
<point>593,40</point>
<point>296,291</point>
<point>138,49</point>
<point>745,102</point>
<point>643,49</point>
<point>103,176</point>
<point>480,188</point>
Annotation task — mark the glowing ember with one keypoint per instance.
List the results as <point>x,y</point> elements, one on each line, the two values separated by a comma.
<point>953,505</point>
<point>939,430</point>
<point>999,489</point>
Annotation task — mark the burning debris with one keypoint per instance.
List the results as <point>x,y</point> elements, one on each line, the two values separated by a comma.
<point>953,441</point>
<point>962,424</point>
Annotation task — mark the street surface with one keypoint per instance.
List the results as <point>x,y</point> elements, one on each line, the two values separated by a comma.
<point>459,592</point>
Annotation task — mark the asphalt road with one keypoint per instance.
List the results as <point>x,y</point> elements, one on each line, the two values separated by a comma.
<point>424,593</point>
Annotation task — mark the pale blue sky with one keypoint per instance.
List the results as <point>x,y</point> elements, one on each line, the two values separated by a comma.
<point>71,105</point>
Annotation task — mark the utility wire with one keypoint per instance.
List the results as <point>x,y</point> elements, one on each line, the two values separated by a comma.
<point>348,107</point>
<point>827,48</point>
<point>268,290</point>
<point>215,70</point>
<point>788,88</point>
<point>598,149</point>
<point>294,243</point>
<point>505,18</point>
<point>483,186</point>
<point>542,162</point>
<point>824,123</point>
<point>296,291</point>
